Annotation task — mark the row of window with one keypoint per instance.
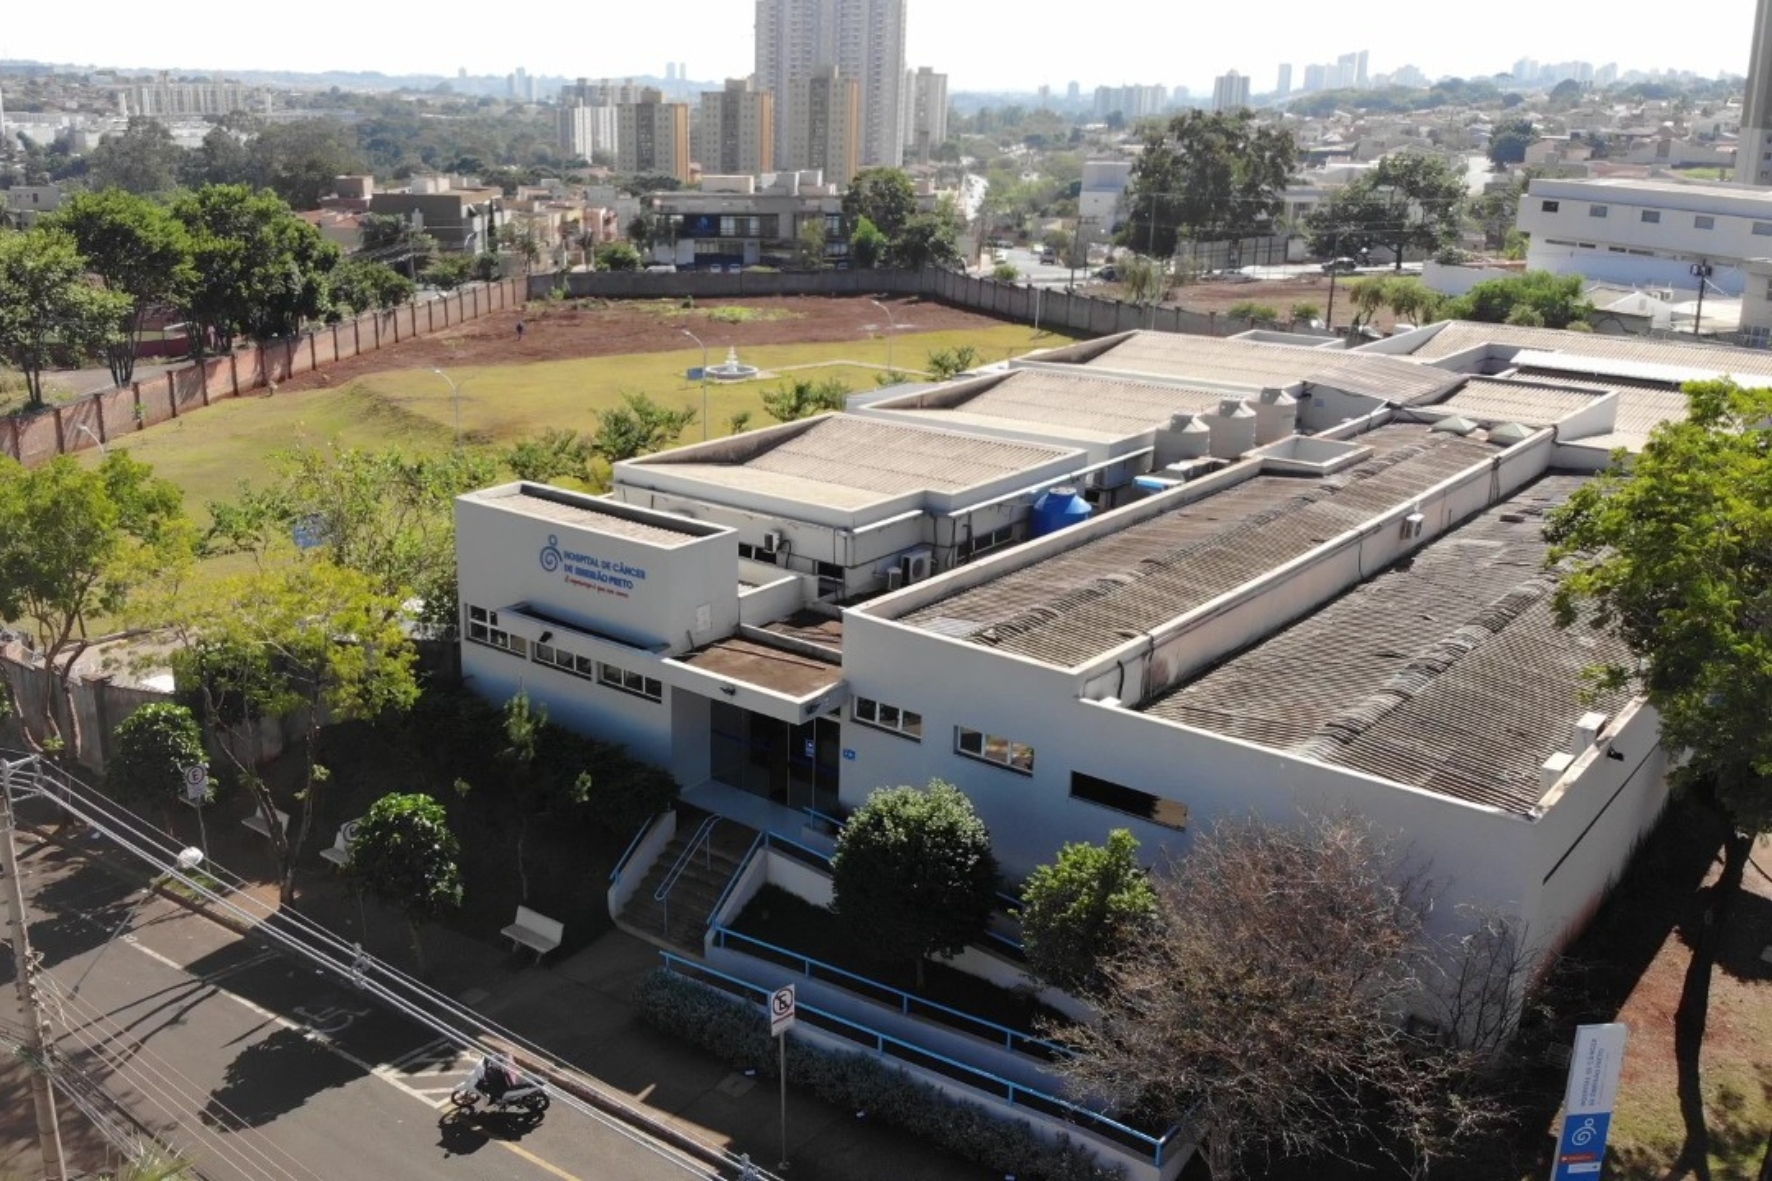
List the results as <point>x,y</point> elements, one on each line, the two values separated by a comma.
<point>483,629</point>
<point>1700,221</point>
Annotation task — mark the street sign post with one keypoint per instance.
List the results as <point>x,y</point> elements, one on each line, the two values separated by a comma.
<point>781,1019</point>
<point>196,783</point>
<point>1588,1102</point>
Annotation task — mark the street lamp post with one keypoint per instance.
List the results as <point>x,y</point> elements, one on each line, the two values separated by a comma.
<point>455,392</point>
<point>704,382</point>
<point>891,326</point>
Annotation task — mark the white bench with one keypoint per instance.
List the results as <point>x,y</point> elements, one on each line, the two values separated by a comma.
<point>340,853</point>
<point>536,931</point>
<point>256,822</point>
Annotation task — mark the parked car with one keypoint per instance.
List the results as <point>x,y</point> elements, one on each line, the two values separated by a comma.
<point>1340,266</point>
<point>1107,273</point>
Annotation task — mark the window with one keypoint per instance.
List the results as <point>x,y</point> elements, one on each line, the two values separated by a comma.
<point>990,748</point>
<point>757,553</point>
<point>1131,801</point>
<point>630,682</point>
<point>1652,216</point>
<point>1703,222</point>
<point>1763,229</point>
<point>881,716</point>
<point>985,542</point>
<point>483,629</point>
<point>1596,210</point>
<point>1550,206</point>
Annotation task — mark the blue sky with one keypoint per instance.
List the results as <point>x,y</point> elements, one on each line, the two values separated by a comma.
<point>980,44</point>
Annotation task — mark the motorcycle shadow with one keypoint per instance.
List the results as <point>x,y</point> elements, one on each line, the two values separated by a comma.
<point>463,1133</point>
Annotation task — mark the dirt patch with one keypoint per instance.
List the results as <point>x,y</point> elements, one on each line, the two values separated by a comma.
<point>605,328</point>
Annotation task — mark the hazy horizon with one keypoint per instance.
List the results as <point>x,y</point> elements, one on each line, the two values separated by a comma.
<point>981,47</point>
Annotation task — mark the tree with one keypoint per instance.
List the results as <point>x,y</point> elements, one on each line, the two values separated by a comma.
<point>1145,279</point>
<point>1555,301</point>
<point>809,246</point>
<point>49,311</point>
<point>219,160</point>
<point>867,245</point>
<point>448,271</point>
<point>1206,177</point>
<point>1304,311</point>
<point>404,854</point>
<point>1407,201</point>
<point>1264,1006</point>
<point>884,196</point>
<point>1509,141</point>
<point>1005,272</point>
<point>1669,553</point>
<point>385,514</point>
<point>300,160</point>
<point>77,543</point>
<point>143,159</point>
<point>1087,907</point>
<point>802,398</point>
<point>947,364</point>
<point>639,426</point>
<point>618,256</point>
<point>305,638</point>
<point>927,240</point>
<point>359,286</point>
<point>520,240</point>
<point>557,452</point>
<point>139,249</point>
<point>1411,300</point>
<point>1254,312</point>
<point>914,870</point>
<point>391,239</point>
<point>260,271</point>
<point>154,745</point>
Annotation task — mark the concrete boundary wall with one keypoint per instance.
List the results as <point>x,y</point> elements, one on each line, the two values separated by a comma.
<point>38,436</point>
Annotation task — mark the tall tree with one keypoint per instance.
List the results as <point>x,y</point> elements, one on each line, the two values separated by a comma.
<point>1207,178</point>
<point>391,239</point>
<point>404,853</point>
<point>1264,1006</point>
<point>885,196</point>
<point>639,426</point>
<point>1407,201</point>
<point>867,245</point>
<point>914,870</point>
<point>1087,907</point>
<point>139,249</point>
<point>298,161</point>
<point>927,240</point>
<point>219,160</point>
<point>306,639</point>
<point>260,270</point>
<point>75,544</point>
<point>154,745</point>
<point>1671,553</point>
<point>359,286</point>
<point>49,311</point>
<point>1554,301</point>
<point>143,159</point>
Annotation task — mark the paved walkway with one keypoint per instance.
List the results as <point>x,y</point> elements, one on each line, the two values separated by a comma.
<point>581,1009</point>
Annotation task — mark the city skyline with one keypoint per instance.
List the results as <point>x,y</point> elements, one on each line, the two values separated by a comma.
<point>972,44</point>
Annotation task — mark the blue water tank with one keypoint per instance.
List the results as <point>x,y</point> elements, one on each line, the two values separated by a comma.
<point>1058,509</point>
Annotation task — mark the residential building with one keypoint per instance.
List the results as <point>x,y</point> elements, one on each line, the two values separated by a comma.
<point>827,134</point>
<point>1649,233</point>
<point>1753,160</point>
<point>1283,86</point>
<point>162,98</point>
<point>26,204</point>
<point>652,136</point>
<point>730,222</point>
<point>1103,189</point>
<point>926,112</point>
<point>864,39</point>
<point>1360,77</point>
<point>1230,92</point>
<point>458,212</point>
<point>737,129</point>
<point>602,93</point>
<point>1347,70</point>
<point>587,131</point>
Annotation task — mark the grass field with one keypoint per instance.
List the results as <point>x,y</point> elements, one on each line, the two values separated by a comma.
<point>209,453</point>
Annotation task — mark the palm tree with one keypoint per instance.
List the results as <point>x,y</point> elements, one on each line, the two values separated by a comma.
<point>1368,295</point>
<point>154,1163</point>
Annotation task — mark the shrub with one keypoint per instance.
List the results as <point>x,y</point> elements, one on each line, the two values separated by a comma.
<point>1305,312</point>
<point>1255,313</point>
<point>737,1034</point>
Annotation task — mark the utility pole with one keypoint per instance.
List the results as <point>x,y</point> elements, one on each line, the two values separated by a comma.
<point>49,1136</point>
<point>1700,271</point>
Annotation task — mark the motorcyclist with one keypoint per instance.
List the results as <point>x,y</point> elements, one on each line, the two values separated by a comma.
<point>497,1076</point>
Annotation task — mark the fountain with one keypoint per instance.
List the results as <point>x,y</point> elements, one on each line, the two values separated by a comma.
<point>730,369</point>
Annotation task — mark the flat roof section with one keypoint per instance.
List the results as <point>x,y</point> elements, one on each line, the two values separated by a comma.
<point>1459,335</point>
<point>847,462</point>
<point>1076,404</point>
<point>758,665</point>
<point>1642,406</point>
<point>1537,403</point>
<point>585,515</point>
<point>810,627</point>
<point>1445,672</point>
<point>1262,364</point>
<point>1069,607</point>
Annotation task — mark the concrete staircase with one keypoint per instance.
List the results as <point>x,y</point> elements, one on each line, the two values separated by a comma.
<point>698,887</point>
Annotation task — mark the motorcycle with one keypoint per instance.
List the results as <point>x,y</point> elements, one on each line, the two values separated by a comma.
<point>503,1087</point>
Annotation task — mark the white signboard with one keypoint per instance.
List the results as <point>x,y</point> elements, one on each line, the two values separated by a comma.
<point>781,1011</point>
<point>196,783</point>
<point>1593,1090</point>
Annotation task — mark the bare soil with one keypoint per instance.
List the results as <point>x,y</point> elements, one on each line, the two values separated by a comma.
<point>605,328</point>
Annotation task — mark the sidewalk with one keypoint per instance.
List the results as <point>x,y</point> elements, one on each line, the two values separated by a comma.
<point>581,1010</point>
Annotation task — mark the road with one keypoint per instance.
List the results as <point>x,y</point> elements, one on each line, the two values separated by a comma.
<point>255,1067</point>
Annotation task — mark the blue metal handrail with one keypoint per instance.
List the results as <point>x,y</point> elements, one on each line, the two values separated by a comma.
<point>1016,1094</point>
<point>732,882</point>
<point>773,839</point>
<point>1012,1039</point>
<point>835,822</point>
<point>700,840</point>
<point>615,874</point>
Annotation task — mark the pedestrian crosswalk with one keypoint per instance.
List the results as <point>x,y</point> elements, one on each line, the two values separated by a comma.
<point>432,1071</point>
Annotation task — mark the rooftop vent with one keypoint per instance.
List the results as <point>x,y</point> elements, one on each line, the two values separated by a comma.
<point>1554,768</point>
<point>1456,425</point>
<point>1509,433</point>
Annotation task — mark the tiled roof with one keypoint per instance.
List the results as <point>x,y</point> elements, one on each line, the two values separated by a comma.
<point>1534,404</point>
<point>1642,406</point>
<point>1446,673</point>
<point>1460,335</point>
<point>846,461</point>
<point>1262,364</point>
<point>587,516</point>
<point>1072,606</point>
<point>1080,404</point>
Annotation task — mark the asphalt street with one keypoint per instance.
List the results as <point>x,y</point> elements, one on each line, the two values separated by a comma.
<point>256,1067</point>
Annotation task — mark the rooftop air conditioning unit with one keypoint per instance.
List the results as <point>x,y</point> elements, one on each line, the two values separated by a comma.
<point>916,566</point>
<point>1412,526</point>
<point>894,578</point>
<point>771,541</point>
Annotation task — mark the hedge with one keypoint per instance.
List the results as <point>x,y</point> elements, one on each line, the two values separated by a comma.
<point>738,1035</point>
